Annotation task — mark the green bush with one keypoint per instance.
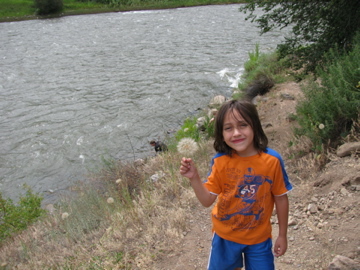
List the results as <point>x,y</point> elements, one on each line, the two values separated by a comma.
<point>188,130</point>
<point>331,107</point>
<point>47,7</point>
<point>16,217</point>
<point>262,71</point>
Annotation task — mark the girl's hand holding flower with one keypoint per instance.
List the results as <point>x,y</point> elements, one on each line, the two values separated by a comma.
<point>187,168</point>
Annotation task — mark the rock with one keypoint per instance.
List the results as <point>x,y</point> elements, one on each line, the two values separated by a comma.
<point>322,181</point>
<point>217,101</point>
<point>287,96</point>
<point>347,148</point>
<point>344,192</point>
<point>344,263</point>
<point>139,162</point>
<point>200,123</point>
<point>267,125</point>
<point>312,208</point>
<point>292,222</point>
<point>155,177</point>
<point>212,113</point>
<point>260,86</point>
<point>273,220</point>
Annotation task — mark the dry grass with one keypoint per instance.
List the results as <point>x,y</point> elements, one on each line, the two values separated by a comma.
<point>144,219</point>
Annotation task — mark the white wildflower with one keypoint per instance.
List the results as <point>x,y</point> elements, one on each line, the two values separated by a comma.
<point>187,146</point>
<point>64,215</point>
<point>321,126</point>
<point>118,181</point>
<point>110,200</point>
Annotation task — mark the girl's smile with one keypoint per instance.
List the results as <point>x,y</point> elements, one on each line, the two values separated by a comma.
<point>238,134</point>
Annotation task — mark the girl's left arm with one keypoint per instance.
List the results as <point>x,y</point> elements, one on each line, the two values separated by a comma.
<point>282,211</point>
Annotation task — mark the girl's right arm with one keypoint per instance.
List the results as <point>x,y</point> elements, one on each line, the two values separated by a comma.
<point>189,170</point>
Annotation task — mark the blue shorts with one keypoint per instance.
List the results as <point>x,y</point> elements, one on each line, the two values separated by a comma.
<point>227,255</point>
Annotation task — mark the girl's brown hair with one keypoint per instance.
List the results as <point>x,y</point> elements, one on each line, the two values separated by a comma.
<point>248,111</point>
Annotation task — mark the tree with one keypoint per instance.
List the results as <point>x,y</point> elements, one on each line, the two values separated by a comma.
<point>317,26</point>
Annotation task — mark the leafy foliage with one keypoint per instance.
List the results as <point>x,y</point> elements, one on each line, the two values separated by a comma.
<point>16,217</point>
<point>316,26</point>
<point>188,130</point>
<point>333,106</point>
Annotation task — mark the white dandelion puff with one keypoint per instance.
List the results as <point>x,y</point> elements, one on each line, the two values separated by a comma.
<point>118,181</point>
<point>64,215</point>
<point>187,146</point>
<point>110,200</point>
<point>321,126</point>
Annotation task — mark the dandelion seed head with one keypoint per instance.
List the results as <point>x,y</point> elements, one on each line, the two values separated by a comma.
<point>187,146</point>
<point>64,215</point>
<point>118,181</point>
<point>110,200</point>
<point>321,126</point>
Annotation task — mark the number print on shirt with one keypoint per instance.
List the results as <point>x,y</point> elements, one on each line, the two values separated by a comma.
<point>245,201</point>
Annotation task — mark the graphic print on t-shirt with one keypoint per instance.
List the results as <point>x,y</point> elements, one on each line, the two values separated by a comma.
<point>241,207</point>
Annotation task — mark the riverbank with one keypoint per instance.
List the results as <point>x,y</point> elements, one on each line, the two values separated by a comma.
<point>11,12</point>
<point>144,215</point>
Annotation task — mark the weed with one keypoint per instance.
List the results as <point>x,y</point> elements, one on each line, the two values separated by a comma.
<point>17,217</point>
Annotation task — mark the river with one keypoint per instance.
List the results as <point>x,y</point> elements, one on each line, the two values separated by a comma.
<point>77,89</point>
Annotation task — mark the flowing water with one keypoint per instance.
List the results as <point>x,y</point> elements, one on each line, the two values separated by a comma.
<point>77,89</point>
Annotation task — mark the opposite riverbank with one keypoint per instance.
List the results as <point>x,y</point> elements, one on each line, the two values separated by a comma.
<point>12,10</point>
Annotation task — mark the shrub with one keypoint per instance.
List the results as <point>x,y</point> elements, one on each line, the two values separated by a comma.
<point>262,71</point>
<point>47,7</point>
<point>17,217</point>
<point>331,107</point>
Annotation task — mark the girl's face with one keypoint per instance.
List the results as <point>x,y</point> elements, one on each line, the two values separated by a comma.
<point>238,134</point>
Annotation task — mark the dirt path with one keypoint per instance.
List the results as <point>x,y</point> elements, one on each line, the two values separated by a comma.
<point>194,251</point>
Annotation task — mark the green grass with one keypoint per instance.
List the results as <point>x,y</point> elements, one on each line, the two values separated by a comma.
<point>16,8</point>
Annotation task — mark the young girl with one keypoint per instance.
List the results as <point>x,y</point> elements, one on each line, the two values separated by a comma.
<point>247,178</point>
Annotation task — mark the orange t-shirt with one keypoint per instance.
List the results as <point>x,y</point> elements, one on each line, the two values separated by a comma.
<point>246,187</point>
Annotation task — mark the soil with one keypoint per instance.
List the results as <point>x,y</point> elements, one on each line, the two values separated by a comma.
<point>324,219</point>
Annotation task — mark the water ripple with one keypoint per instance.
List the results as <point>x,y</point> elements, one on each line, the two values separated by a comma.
<point>78,88</point>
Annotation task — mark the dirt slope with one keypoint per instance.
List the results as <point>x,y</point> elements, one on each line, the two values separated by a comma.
<point>324,217</point>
